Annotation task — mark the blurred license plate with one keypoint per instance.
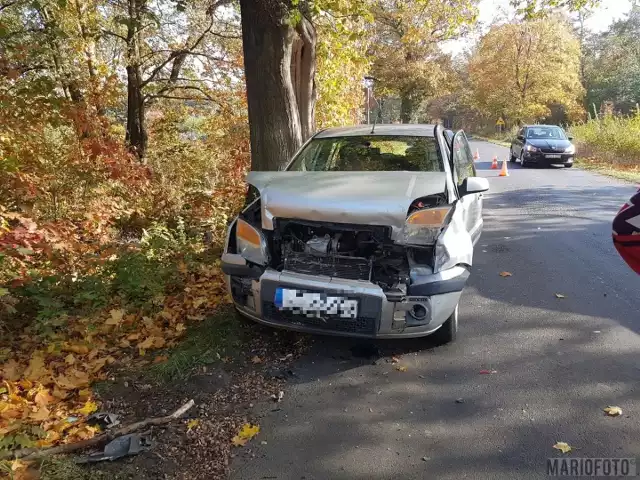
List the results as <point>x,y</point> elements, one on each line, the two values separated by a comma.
<point>315,304</point>
<point>553,156</point>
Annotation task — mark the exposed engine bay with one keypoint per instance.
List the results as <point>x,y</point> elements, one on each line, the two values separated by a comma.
<point>356,252</point>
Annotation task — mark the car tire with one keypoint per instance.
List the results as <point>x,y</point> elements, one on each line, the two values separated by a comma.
<point>512,157</point>
<point>523,164</point>
<point>448,332</point>
<point>568,165</point>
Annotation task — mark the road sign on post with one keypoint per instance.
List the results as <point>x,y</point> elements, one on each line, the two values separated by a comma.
<point>499,124</point>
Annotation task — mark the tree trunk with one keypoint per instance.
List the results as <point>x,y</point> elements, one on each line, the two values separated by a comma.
<point>280,88</point>
<point>304,64</point>
<point>406,109</point>
<point>136,136</point>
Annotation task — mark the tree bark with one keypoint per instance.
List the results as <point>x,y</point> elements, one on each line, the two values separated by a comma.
<point>136,136</point>
<point>279,70</point>
<point>304,64</point>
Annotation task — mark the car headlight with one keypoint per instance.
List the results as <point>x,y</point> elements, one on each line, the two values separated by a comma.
<point>424,226</point>
<point>571,149</point>
<point>531,148</point>
<point>251,243</point>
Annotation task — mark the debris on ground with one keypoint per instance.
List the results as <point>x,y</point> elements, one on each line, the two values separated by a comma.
<point>613,411</point>
<point>563,447</point>
<point>124,446</point>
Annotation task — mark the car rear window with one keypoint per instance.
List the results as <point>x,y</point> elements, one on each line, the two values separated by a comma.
<point>374,153</point>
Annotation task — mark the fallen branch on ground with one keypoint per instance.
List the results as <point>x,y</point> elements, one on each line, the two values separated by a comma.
<point>34,454</point>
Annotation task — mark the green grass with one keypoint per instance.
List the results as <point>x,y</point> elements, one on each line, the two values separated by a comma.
<point>217,337</point>
<point>63,468</point>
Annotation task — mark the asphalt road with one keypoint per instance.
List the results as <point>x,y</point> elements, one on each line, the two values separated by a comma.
<point>558,362</point>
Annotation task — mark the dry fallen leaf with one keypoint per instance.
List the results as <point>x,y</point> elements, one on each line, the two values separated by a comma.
<point>43,397</point>
<point>11,370</point>
<point>613,411</point>
<point>256,359</point>
<point>40,415</point>
<point>246,433</point>
<point>116,317</point>
<point>70,359</point>
<point>401,368</point>
<point>193,423</point>
<point>395,359</point>
<point>559,295</point>
<point>563,447</point>
<point>506,274</point>
<point>36,368</point>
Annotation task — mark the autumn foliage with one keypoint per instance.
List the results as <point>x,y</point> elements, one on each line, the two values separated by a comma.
<point>102,257</point>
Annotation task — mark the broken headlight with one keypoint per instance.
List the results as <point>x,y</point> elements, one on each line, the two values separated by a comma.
<point>424,226</point>
<point>251,244</point>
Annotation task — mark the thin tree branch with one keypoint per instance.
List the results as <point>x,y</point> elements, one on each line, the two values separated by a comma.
<point>7,5</point>
<point>114,34</point>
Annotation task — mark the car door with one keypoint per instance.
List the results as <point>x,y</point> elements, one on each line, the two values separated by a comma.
<point>518,143</point>
<point>463,167</point>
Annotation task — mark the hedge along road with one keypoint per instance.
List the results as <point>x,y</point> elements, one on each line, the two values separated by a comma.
<point>557,361</point>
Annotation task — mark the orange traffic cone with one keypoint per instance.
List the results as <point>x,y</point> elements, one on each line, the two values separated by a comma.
<point>476,156</point>
<point>504,172</point>
<point>494,163</point>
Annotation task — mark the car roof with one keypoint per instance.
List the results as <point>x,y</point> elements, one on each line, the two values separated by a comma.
<point>407,130</point>
<point>535,125</point>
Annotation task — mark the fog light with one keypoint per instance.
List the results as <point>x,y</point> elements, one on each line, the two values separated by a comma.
<point>418,312</point>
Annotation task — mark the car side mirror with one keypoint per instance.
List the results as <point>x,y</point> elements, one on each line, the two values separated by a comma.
<point>570,138</point>
<point>471,185</point>
<point>520,137</point>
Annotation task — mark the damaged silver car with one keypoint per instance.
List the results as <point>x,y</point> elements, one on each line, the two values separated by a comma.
<point>368,232</point>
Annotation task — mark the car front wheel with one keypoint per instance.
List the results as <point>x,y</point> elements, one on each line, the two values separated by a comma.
<point>523,164</point>
<point>448,331</point>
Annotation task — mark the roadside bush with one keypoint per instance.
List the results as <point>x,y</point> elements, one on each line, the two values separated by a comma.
<point>615,140</point>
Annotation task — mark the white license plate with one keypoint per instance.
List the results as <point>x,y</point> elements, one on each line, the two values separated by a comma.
<point>315,304</point>
<point>553,156</point>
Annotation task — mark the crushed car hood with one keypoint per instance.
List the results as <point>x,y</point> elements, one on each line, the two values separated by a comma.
<point>363,198</point>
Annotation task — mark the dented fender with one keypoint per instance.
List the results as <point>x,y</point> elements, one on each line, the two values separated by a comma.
<point>454,245</point>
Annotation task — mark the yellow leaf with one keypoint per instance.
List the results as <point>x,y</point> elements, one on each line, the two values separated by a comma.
<point>193,423</point>
<point>147,343</point>
<point>36,369</point>
<point>563,447</point>
<point>86,393</point>
<point>401,368</point>
<point>256,360</point>
<point>559,295</point>
<point>246,433</point>
<point>70,359</point>
<point>40,415</point>
<point>613,411</point>
<point>88,408</point>
<point>506,274</point>
<point>116,317</point>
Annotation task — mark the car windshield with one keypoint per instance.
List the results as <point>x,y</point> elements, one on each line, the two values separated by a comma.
<point>375,153</point>
<point>546,132</point>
